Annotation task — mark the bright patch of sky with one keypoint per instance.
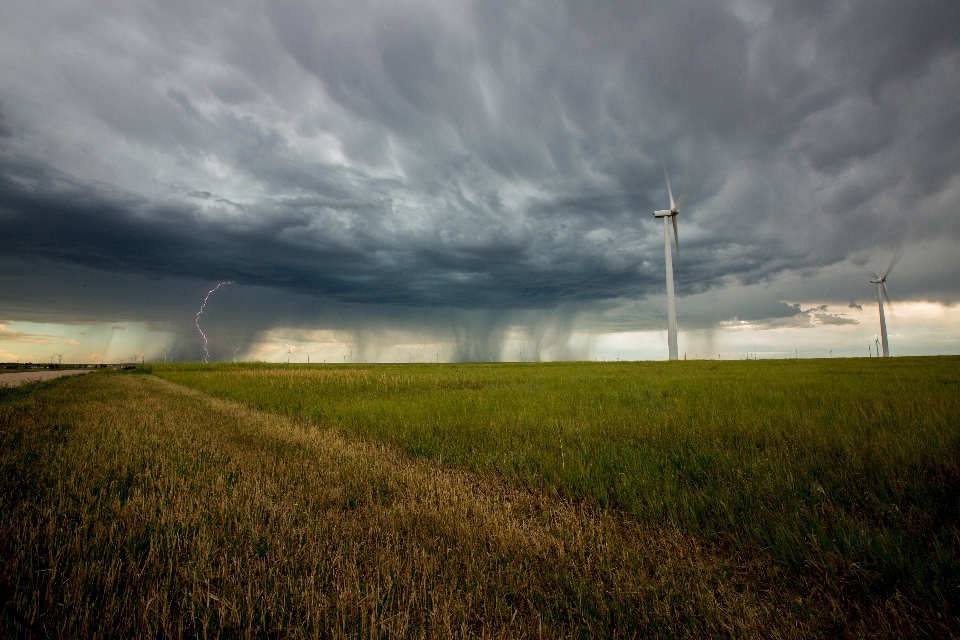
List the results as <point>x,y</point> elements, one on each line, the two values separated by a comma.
<point>81,344</point>
<point>915,328</point>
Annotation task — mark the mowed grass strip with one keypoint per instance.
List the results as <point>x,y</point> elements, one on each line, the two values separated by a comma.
<point>846,472</point>
<point>133,507</point>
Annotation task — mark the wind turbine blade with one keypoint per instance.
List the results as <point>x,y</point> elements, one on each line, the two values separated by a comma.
<point>690,186</point>
<point>669,190</point>
<point>897,254</point>
<point>883,287</point>
<point>676,240</point>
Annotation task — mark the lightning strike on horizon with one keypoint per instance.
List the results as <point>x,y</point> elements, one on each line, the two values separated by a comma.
<point>206,354</point>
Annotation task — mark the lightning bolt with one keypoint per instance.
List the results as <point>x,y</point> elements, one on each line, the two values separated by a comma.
<point>206,354</point>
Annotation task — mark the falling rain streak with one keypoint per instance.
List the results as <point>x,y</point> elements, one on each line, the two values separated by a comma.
<point>206,354</point>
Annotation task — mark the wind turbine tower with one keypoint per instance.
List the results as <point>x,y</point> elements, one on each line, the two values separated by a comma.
<point>881,295</point>
<point>670,214</point>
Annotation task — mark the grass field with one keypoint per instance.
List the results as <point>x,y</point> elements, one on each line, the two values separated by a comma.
<point>777,498</point>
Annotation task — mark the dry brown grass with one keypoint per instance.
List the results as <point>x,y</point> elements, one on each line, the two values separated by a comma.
<point>135,507</point>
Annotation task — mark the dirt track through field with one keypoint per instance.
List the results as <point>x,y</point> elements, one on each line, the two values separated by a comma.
<point>14,379</point>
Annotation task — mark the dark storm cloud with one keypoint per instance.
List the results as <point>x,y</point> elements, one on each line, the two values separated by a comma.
<point>345,249</point>
<point>486,155</point>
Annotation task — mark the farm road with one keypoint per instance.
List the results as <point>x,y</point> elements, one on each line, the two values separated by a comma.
<point>14,379</point>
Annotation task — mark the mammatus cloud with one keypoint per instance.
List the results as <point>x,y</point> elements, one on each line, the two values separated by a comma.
<point>484,166</point>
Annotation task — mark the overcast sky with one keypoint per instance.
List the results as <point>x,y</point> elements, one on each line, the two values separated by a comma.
<point>470,177</point>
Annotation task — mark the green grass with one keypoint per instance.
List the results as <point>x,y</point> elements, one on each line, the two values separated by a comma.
<point>845,472</point>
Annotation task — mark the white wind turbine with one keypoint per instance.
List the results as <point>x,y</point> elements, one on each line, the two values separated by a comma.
<point>670,213</point>
<point>881,295</point>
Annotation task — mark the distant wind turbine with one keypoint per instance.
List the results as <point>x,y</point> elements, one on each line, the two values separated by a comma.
<point>881,295</point>
<point>671,214</point>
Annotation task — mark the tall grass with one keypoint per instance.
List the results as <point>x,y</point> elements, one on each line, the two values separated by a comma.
<point>847,472</point>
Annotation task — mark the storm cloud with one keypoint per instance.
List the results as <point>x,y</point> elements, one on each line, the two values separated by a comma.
<point>480,161</point>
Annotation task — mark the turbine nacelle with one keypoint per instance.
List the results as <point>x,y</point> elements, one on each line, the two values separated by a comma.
<point>665,213</point>
<point>878,281</point>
